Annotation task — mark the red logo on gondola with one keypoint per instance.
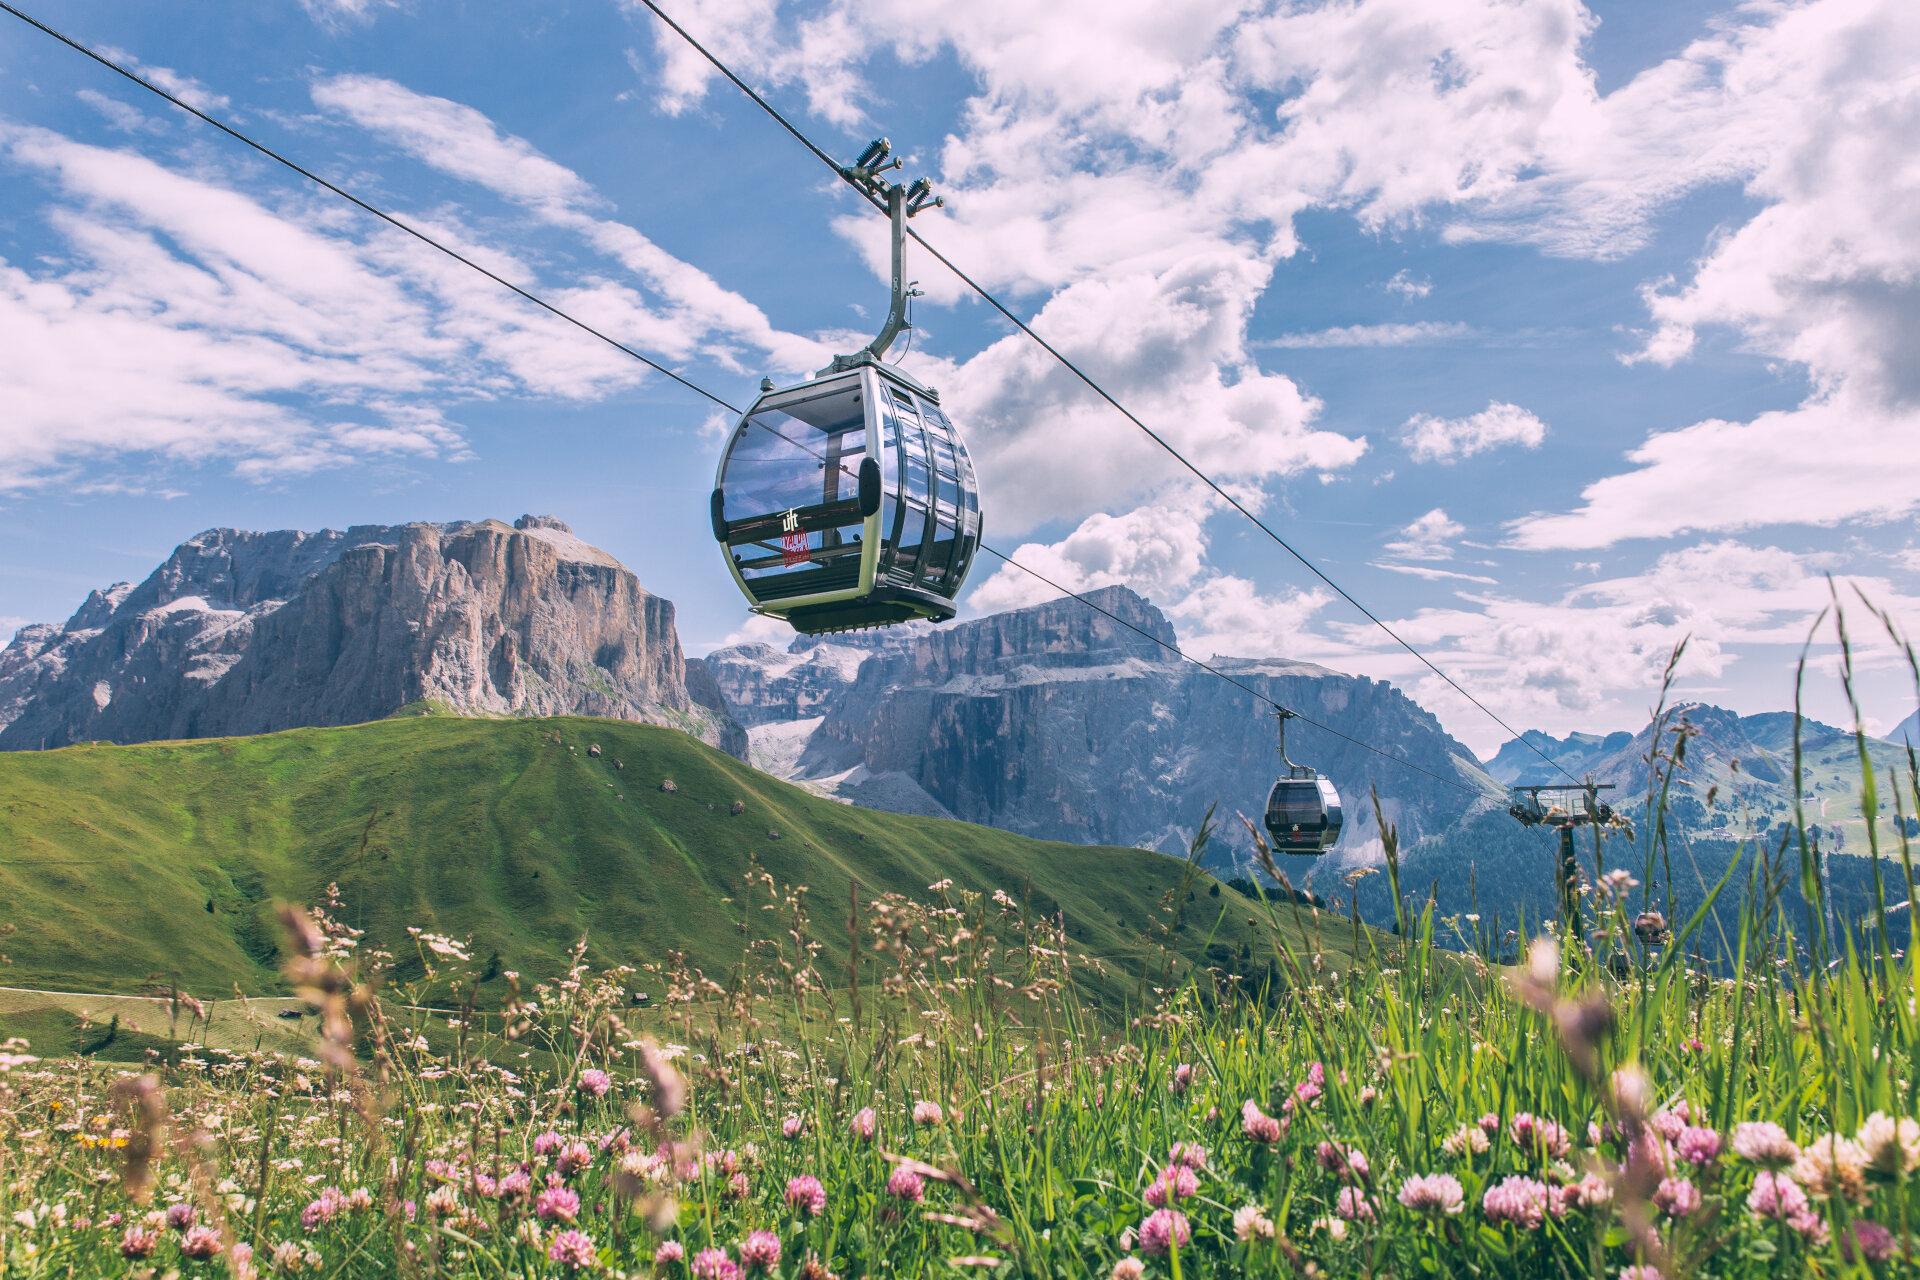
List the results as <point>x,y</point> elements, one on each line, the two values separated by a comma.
<point>793,539</point>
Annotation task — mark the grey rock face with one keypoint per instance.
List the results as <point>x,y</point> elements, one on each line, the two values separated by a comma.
<point>1059,723</point>
<point>241,633</point>
<point>762,685</point>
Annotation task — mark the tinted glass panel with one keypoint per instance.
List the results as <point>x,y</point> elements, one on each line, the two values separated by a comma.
<point>907,553</point>
<point>940,553</point>
<point>800,455</point>
<point>794,471</point>
<point>943,455</point>
<point>917,481</point>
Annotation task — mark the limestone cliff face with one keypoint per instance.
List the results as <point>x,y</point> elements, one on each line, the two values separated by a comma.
<point>762,685</point>
<point>241,633</point>
<point>1059,723</point>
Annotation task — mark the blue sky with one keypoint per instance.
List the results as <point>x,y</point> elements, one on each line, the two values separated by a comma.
<point>1554,333</point>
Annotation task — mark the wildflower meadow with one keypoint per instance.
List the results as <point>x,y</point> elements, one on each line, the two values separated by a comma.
<point>936,1099</point>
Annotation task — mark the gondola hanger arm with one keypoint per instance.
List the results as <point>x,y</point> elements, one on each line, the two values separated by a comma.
<point>901,201</point>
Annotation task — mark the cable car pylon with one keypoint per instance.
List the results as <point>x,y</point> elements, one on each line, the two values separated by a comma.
<point>1558,813</point>
<point>848,500</point>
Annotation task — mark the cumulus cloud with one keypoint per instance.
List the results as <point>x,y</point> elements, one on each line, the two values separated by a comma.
<point>1228,615</point>
<point>1593,654</point>
<point>753,629</point>
<point>1155,551</point>
<point>1427,537</point>
<point>1159,553</point>
<point>1826,277</point>
<point>1408,285</point>
<point>1431,439</point>
<point>1171,347</point>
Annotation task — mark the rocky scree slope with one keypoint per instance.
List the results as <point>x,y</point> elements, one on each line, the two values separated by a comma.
<point>1058,723</point>
<point>246,633</point>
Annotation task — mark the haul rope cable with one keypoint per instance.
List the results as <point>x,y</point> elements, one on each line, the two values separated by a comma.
<point>690,385</point>
<point>1097,389</point>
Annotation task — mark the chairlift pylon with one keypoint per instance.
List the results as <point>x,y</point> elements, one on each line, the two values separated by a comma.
<point>1561,812</point>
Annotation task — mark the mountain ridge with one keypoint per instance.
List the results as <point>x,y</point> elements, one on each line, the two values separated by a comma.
<point>1019,719</point>
<point>238,632</point>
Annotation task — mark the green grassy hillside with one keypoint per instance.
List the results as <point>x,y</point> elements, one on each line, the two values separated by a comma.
<point>123,864</point>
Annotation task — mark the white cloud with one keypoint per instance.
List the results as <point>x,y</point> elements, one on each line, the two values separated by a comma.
<point>1427,537</point>
<point>120,116</point>
<point>1431,439</point>
<point>1229,616</point>
<point>1170,346</point>
<point>1408,286</point>
<point>1825,277</point>
<point>701,317</point>
<point>337,14</point>
<point>1155,551</point>
<point>183,87</point>
<point>1821,464</point>
<point>1431,574</point>
<point>455,139</point>
<point>193,322</point>
<point>755,628</point>
<point>1375,335</point>
<point>1159,553</point>
<point>1595,654</point>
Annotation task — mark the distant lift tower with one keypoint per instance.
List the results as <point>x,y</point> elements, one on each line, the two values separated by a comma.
<point>1556,807</point>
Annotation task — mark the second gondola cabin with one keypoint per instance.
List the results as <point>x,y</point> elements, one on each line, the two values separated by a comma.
<point>848,501</point>
<point>1303,815</point>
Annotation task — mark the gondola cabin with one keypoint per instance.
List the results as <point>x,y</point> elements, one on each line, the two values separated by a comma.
<point>1303,809</point>
<point>848,501</point>
<point>1303,815</point>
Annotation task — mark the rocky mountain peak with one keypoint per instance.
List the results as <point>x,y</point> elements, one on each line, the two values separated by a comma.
<point>246,632</point>
<point>98,607</point>
<point>1063,723</point>
<point>1059,633</point>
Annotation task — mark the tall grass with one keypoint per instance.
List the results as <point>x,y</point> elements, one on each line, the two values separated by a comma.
<point>937,1098</point>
